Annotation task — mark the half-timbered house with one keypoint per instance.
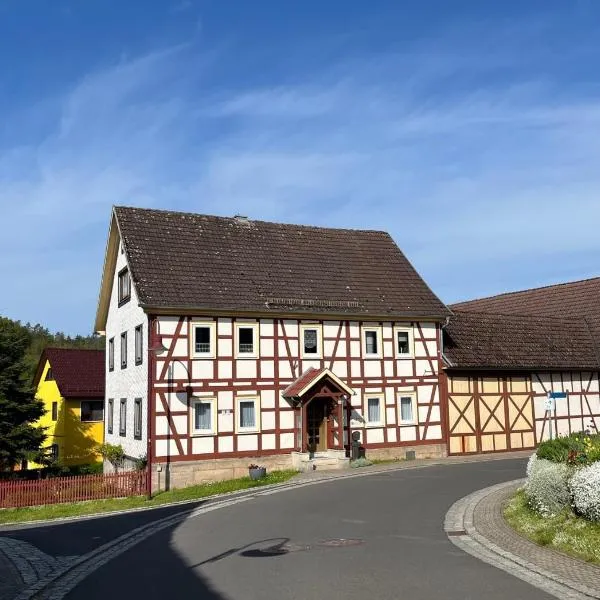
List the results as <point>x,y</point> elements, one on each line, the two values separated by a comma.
<point>232,341</point>
<point>506,354</point>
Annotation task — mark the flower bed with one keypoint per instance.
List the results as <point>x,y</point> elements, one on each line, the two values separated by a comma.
<point>564,475</point>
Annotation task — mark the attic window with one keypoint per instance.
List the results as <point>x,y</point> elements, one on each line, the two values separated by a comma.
<point>49,375</point>
<point>124,286</point>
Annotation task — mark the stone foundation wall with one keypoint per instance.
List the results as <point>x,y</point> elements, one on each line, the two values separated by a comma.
<point>186,473</point>
<point>399,452</point>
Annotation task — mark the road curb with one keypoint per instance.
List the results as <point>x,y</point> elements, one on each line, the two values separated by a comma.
<point>460,528</point>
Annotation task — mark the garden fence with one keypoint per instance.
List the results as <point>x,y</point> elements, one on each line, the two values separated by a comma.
<point>55,490</point>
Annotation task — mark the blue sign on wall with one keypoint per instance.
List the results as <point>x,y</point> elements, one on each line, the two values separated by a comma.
<point>558,395</point>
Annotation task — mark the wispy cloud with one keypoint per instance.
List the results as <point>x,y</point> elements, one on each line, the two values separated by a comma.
<point>485,183</point>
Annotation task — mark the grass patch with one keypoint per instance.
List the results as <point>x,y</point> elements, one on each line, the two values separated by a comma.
<point>565,532</point>
<point>195,492</point>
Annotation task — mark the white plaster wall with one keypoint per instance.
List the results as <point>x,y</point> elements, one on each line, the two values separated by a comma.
<point>131,382</point>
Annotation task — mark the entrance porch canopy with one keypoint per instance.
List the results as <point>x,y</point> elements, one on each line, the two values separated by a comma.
<point>297,391</point>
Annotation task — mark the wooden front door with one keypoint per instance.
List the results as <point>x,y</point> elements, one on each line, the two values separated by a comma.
<point>316,424</point>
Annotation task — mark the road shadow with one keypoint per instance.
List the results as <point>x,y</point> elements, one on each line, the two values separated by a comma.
<point>79,537</point>
<point>153,571</point>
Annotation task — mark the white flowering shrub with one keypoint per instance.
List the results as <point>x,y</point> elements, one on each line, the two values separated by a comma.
<point>585,488</point>
<point>531,464</point>
<point>547,487</point>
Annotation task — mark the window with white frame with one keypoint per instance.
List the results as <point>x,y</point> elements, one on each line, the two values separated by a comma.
<point>139,344</point>
<point>246,340</point>
<point>203,340</point>
<point>204,416</point>
<point>371,342</point>
<point>247,415</point>
<point>403,341</point>
<point>311,341</point>
<point>374,410</point>
<point>407,409</point>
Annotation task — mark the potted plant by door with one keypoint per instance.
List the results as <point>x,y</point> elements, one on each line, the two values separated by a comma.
<point>257,472</point>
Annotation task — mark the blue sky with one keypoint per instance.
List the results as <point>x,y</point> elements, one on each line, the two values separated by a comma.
<point>467,129</point>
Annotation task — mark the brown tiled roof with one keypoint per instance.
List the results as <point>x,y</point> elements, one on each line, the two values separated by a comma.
<point>292,390</point>
<point>577,298</point>
<point>481,340</point>
<point>183,260</point>
<point>78,372</point>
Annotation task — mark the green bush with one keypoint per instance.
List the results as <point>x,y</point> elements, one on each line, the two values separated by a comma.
<point>575,449</point>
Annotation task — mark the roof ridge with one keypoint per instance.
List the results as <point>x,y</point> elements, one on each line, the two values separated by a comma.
<point>534,289</point>
<point>224,218</point>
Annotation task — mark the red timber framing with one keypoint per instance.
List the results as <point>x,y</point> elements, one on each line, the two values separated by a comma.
<point>490,413</point>
<point>226,378</point>
<point>579,411</point>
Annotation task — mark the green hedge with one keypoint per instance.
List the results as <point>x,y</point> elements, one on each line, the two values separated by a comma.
<point>574,449</point>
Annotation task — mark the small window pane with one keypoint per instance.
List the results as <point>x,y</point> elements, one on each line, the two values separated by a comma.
<point>54,411</point>
<point>406,409</point>
<point>403,344</point>
<point>137,418</point>
<point>202,340</point>
<point>246,339</point>
<point>123,350</point>
<point>110,415</point>
<point>123,417</point>
<point>49,375</point>
<point>138,345</point>
<point>247,415</point>
<point>111,354</point>
<point>124,285</point>
<point>371,342</point>
<point>203,416</point>
<point>310,341</point>
<point>92,410</point>
<point>54,452</point>
<point>374,410</point>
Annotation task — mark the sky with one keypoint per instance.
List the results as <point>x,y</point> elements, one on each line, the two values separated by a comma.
<point>469,130</point>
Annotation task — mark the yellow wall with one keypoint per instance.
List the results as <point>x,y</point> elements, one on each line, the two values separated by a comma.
<point>77,441</point>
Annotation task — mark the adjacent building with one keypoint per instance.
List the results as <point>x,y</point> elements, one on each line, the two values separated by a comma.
<point>232,341</point>
<point>522,367</point>
<point>70,382</point>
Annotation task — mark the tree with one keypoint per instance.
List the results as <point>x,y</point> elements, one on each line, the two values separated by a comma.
<point>19,408</point>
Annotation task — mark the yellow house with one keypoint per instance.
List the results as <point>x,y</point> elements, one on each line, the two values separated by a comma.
<point>70,382</point>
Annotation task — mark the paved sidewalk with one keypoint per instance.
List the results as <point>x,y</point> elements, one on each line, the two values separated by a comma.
<point>10,581</point>
<point>476,524</point>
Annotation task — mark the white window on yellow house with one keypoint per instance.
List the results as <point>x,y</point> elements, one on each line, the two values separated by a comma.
<point>92,410</point>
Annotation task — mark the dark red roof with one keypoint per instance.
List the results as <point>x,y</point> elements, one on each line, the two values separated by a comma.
<point>497,341</point>
<point>190,261</point>
<point>78,372</point>
<point>292,390</point>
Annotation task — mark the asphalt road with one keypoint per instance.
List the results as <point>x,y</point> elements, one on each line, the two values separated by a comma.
<point>291,545</point>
